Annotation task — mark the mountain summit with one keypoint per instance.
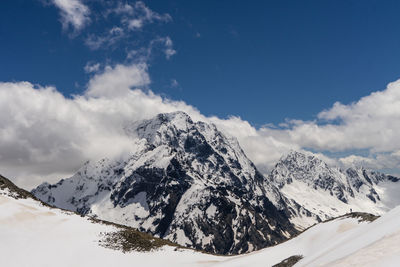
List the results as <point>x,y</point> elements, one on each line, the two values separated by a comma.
<point>186,182</point>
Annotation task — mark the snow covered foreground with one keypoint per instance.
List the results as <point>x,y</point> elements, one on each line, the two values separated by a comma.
<point>34,235</point>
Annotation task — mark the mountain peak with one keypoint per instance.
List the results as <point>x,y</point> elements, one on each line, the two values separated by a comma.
<point>294,154</point>
<point>298,160</point>
<point>164,126</point>
<point>178,118</point>
<point>190,184</point>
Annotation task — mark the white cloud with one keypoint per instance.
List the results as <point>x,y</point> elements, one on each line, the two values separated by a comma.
<point>45,136</point>
<point>127,18</point>
<point>73,13</point>
<point>91,67</point>
<point>139,15</point>
<point>110,38</point>
<point>169,51</point>
<point>134,24</point>
<point>380,161</point>
<point>122,9</point>
<point>144,54</point>
<point>135,16</point>
<point>118,80</point>
<point>165,44</point>
<point>355,160</point>
<point>95,42</point>
<point>371,123</point>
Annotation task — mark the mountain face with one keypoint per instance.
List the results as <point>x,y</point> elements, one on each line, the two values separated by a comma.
<point>185,182</point>
<point>313,191</point>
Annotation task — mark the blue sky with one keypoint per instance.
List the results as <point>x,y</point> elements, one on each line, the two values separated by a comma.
<point>74,72</point>
<point>261,60</point>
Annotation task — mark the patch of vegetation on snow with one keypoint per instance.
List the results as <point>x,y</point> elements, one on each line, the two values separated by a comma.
<point>289,262</point>
<point>128,239</point>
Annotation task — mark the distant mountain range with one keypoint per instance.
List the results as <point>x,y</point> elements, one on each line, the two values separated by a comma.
<point>315,192</point>
<point>189,183</point>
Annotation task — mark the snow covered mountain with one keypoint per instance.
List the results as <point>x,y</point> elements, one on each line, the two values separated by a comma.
<point>315,192</point>
<point>185,182</point>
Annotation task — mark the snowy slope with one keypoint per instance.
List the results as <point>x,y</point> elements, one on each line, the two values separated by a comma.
<point>33,235</point>
<point>50,237</point>
<point>315,192</point>
<point>341,242</point>
<point>186,182</point>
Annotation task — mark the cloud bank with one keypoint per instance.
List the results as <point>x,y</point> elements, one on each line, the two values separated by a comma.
<point>45,136</point>
<point>371,124</point>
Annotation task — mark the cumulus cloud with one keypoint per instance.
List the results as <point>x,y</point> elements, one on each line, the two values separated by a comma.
<point>46,136</point>
<point>372,123</point>
<point>118,80</point>
<point>40,126</point>
<point>73,13</point>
